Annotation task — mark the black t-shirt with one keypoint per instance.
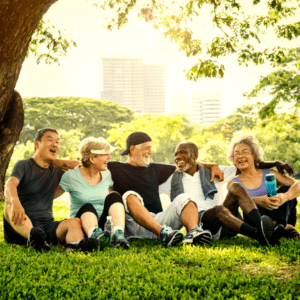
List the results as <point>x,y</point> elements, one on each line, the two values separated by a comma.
<point>142,180</point>
<point>36,189</point>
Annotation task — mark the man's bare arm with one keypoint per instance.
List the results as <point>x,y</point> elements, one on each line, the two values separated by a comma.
<point>65,164</point>
<point>280,166</point>
<point>12,198</point>
<point>58,192</point>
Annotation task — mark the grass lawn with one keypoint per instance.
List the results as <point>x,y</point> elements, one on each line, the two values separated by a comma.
<point>235,268</point>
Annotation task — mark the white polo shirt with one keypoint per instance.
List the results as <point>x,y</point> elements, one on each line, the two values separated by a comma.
<point>192,186</point>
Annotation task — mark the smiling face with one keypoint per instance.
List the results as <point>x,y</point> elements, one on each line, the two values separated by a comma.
<point>185,158</point>
<point>47,148</point>
<point>140,154</point>
<point>100,162</point>
<point>243,157</point>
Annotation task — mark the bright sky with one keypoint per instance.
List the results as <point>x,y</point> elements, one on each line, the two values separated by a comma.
<point>80,72</point>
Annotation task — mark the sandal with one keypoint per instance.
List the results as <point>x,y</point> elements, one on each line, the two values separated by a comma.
<point>291,232</point>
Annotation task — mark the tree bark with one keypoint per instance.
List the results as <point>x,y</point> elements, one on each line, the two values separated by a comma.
<point>18,21</point>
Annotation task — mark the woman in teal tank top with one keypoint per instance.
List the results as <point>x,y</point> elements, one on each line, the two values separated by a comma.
<point>92,198</point>
<point>245,153</point>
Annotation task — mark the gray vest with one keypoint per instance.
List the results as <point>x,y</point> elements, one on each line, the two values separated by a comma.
<point>208,188</point>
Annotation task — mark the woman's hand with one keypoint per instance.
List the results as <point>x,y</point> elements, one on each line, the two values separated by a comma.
<point>278,200</point>
<point>265,202</point>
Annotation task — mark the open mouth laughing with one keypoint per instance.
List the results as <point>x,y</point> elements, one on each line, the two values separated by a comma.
<point>53,150</point>
<point>180,163</point>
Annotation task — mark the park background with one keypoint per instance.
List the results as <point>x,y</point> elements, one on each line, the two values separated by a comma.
<point>67,97</point>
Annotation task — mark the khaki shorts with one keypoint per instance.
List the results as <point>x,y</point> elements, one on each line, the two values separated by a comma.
<point>170,217</point>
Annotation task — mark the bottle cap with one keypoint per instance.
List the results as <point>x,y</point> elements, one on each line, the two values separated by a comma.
<point>108,218</point>
<point>270,177</point>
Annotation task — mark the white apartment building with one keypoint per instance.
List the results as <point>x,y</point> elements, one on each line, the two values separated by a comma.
<point>206,108</point>
<point>129,82</point>
<point>154,89</point>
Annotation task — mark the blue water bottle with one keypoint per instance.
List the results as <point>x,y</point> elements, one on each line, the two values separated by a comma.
<point>271,185</point>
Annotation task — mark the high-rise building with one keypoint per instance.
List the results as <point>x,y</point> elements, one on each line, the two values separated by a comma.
<point>154,87</point>
<point>206,108</point>
<point>129,82</point>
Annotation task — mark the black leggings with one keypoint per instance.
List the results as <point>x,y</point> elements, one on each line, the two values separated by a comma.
<point>110,199</point>
<point>285,214</point>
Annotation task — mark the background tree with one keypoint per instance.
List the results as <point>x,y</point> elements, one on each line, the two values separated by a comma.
<point>91,117</point>
<point>214,151</point>
<point>279,136</point>
<point>238,29</point>
<point>283,84</point>
<point>18,21</point>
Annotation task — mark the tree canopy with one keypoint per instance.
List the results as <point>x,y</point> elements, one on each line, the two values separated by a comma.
<point>91,117</point>
<point>48,43</point>
<point>283,84</point>
<point>241,25</point>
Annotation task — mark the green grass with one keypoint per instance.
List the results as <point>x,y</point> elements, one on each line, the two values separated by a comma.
<point>235,268</point>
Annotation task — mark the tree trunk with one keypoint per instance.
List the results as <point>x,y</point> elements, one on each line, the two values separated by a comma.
<point>18,21</point>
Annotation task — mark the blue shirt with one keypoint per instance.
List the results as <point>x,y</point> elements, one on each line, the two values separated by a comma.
<point>82,192</point>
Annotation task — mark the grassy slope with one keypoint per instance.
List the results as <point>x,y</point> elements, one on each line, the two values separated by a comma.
<point>238,268</point>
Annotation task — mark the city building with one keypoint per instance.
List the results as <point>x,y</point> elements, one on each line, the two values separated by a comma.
<point>206,108</point>
<point>154,89</point>
<point>131,83</point>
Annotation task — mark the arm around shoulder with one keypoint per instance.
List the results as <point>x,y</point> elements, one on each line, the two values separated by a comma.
<point>215,171</point>
<point>281,166</point>
<point>65,164</point>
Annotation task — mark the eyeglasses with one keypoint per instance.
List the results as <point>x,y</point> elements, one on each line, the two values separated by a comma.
<point>244,152</point>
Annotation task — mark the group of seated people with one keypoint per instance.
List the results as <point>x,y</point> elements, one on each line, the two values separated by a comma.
<point>130,193</point>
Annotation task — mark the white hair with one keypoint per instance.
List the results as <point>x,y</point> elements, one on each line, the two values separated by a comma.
<point>249,139</point>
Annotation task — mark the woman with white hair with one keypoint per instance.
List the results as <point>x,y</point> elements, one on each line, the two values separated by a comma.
<point>246,154</point>
<point>91,194</point>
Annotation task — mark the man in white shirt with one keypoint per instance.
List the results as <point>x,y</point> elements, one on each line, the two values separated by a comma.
<point>192,180</point>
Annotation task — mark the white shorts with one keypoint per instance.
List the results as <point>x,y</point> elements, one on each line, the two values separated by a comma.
<point>170,217</point>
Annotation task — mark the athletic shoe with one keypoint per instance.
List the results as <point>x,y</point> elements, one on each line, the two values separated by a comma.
<point>198,236</point>
<point>102,236</point>
<point>118,239</point>
<point>170,237</point>
<point>278,233</point>
<point>37,240</point>
<point>71,247</point>
<point>266,231</point>
<point>88,245</point>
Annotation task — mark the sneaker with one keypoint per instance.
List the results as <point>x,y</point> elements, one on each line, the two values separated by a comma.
<point>102,236</point>
<point>198,236</point>
<point>88,245</point>
<point>118,239</point>
<point>266,231</point>
<point>170,237</point>
<point>71,247</point>
<point>278,233</point>
<point>37,240</point>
